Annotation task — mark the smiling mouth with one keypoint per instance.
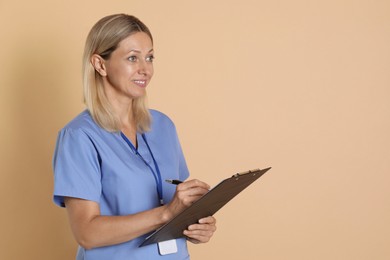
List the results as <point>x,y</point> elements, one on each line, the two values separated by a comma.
<point>141,83</point>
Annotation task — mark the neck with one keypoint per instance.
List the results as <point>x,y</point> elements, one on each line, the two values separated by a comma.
<point>128,124</point>
<point>129,128</point>
<point>122,106</point>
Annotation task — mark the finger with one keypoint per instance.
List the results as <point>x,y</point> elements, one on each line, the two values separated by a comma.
<point>208,220</point>
<point>191,191</point>
<point>191,195</point>
<point>193,184</point>
<point>202,227</point>
<point>199,235</point>
<point>195,191</point>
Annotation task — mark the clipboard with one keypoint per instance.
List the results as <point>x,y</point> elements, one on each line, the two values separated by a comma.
<point>206,206</point>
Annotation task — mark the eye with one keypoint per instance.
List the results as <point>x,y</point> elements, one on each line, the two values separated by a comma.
<point>150,58</point>
<point>132,58</point>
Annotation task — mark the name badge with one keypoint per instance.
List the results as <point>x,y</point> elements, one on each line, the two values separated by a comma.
<point>167,247</point>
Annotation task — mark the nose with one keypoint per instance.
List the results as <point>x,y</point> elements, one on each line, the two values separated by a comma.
<point>145,68</point>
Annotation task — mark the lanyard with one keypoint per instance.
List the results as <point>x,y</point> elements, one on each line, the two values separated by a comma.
<point>157,176</point>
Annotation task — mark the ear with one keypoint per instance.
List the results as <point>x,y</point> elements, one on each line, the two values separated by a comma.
<point>98,63</point>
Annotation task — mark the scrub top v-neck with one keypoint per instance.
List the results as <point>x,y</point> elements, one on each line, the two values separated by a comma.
<point>154,169</point>
<point>93,164</point>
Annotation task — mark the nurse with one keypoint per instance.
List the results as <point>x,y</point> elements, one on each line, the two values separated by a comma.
<point>111,160</point>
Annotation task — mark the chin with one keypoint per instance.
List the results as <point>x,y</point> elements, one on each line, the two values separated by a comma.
<point>138,95</point>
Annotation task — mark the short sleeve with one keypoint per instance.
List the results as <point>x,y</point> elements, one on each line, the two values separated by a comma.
<point>183,169</point>
<point>76,167</point>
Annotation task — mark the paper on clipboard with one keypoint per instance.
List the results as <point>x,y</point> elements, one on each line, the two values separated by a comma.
<point>206,206</point>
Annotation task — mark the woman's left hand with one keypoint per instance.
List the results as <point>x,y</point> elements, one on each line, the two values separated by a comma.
<point>201,232</point>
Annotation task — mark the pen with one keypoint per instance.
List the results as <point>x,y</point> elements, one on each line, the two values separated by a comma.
<point>175,182</point>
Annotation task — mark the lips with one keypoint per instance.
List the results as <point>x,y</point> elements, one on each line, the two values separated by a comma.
<point>140,83</point>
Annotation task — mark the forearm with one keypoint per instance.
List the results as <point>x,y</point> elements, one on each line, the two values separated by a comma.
<point>96,230</point>
<point>91,229</point>
<point>110,230</point>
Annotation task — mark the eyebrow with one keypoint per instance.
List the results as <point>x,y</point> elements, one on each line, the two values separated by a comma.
<point>138,51</point>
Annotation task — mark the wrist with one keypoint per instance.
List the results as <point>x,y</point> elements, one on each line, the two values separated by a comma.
<point>166,214</point>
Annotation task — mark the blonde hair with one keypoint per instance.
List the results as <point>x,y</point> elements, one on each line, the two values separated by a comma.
<point>103,39</point>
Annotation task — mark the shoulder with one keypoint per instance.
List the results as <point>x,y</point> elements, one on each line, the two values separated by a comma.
<point>160,119</point>
<point>84,123</point>
<point>82,135</point>
<point>83,126</point>
<point>81,121</point>
<point>161,124</point>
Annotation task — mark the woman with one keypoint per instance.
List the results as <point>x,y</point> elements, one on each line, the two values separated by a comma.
<point>111,161</point>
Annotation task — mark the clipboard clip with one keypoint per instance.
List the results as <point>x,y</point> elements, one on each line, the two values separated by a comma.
<point>252,172</point>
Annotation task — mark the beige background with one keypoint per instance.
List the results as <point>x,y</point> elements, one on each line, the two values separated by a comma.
<point>302,86</point>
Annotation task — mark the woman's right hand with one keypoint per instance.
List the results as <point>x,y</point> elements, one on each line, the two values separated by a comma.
<point>186,193</point>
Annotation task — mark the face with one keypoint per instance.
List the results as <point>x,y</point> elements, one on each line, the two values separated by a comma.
<point>129,69</point>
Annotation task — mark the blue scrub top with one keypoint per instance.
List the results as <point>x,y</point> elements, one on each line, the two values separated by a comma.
<point>93,164</point>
